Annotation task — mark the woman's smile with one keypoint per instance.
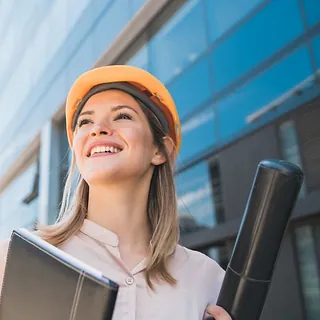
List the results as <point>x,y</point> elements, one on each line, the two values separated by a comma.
<point>103,148</point>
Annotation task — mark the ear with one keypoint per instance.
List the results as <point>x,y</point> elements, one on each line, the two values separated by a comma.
<point>159,157</point>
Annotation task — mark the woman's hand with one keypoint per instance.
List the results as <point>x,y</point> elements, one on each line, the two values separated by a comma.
<point>218,313</point>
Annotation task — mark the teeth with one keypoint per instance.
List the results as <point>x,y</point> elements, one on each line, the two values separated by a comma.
<point>101,149</point>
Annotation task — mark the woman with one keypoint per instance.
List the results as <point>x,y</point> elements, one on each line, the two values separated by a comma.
<point>124,133</point>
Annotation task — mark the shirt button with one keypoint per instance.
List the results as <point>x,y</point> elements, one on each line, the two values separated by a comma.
<point>129,281</point>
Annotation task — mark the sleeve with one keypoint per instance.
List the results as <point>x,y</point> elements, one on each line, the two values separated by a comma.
<point>215,276</point>
<point>4,245</point>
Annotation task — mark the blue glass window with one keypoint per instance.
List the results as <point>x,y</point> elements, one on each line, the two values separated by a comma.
<point>290,147</point>
<point>141,58</point>
<point>312,8</point>
<point>15,213</point>
<point>198,134</point>
<point>195,202</point>
<point>113,20</point>
<point>192,88</point>
<point>179,42</point>
<point>223,14</point>
<point>81,24</point>
<point>19,26</point>
<point>81,61</point>
<point>257,39</point>
<point>316,49</point>
<point>308,265</point>
<point>233,111</point>
<point>53,98</point>
<point>136,5</point>
<point>13,147</point>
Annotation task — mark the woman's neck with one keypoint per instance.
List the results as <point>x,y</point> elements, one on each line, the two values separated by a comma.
<point>122,209</point>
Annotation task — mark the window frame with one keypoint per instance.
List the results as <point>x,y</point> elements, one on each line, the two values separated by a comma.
<point>312,222</point>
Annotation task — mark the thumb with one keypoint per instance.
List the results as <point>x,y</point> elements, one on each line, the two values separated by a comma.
<point>217,312</point>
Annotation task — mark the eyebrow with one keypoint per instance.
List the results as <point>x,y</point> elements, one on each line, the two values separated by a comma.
<point>90,112</point>
<point>113,109</point>
<point>116,108</point>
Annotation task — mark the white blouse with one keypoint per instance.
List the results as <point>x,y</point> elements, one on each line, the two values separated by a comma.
<point>199,278</point>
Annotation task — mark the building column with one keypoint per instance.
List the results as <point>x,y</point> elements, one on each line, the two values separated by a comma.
<point>49,183</point>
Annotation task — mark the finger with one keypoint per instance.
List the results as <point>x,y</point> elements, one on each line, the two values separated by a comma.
<point>218,313</point>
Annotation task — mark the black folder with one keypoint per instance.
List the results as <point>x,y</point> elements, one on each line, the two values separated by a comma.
<point>42,282</point>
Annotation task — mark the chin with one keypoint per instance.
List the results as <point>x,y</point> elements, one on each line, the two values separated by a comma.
<point>101,176</point>
<point>112,176</point>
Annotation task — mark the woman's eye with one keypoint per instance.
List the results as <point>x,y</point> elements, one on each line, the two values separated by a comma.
<point>83,122</point>
<point>123,116</point>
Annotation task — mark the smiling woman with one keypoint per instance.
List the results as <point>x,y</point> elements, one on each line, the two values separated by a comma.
<point>124,133</point>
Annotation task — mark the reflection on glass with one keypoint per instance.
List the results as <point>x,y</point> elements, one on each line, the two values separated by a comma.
<point>15,147</point>
<point>316,50</point>
<point>38,53</point>
<point>222,15</point>
<point>192,88</point>
<point>81,61</point>
<point>141,58</point>
<point>256,40</point>
<point>213,253</point>
<point>195,202</point>
<point>198,134</point>
<point>40,61</point>
<point>17,28</point>
<point>175,46</point>
<point>216,183</point>
<point>290,147</point>
<point>233,111</point>
<point>136,5</point>
<point>81,28</point>
<point>110,25</point>
<point>14,212</point>
<point>5,9</point>
<point>308,271</point>
<point>312,9</point>
<point>221,253</point>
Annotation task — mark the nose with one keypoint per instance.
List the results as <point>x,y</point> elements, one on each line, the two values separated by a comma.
<point>98,130</point>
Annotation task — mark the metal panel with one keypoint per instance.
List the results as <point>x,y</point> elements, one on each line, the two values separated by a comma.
<point>316,232</point>
<point>49,184</point>
<point>309,135</point>
<point>207,237</point>
<point>283,300</point>
<point>238,165</point>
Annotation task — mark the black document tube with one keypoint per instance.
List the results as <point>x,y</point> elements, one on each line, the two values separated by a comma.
<point>249,273</point>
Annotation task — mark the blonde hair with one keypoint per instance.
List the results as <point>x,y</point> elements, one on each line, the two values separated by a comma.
<point>161,209</point>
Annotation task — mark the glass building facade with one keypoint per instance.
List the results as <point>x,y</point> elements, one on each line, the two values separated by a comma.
<point>46,45</point>
<point>236,69</point>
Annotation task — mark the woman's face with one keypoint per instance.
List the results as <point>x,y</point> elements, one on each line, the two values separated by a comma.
<point>113,140</point>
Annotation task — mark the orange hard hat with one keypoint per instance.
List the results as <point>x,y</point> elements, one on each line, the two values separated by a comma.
<point>135,81</point>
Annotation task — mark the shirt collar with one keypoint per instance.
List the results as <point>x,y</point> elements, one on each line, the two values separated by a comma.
<point>99,233</point>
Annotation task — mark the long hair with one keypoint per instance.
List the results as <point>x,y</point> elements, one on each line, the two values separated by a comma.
<point>161,209</point>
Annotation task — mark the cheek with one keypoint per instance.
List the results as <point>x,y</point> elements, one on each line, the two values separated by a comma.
<point>138,138</point>
<point>78,145</point>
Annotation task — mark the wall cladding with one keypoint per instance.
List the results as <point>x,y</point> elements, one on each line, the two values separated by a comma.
<point>308,127</point>
<point>238,165</point>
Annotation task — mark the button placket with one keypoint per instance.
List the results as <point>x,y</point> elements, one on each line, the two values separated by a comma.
<point>129,280</point>
<point>131,292</point>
